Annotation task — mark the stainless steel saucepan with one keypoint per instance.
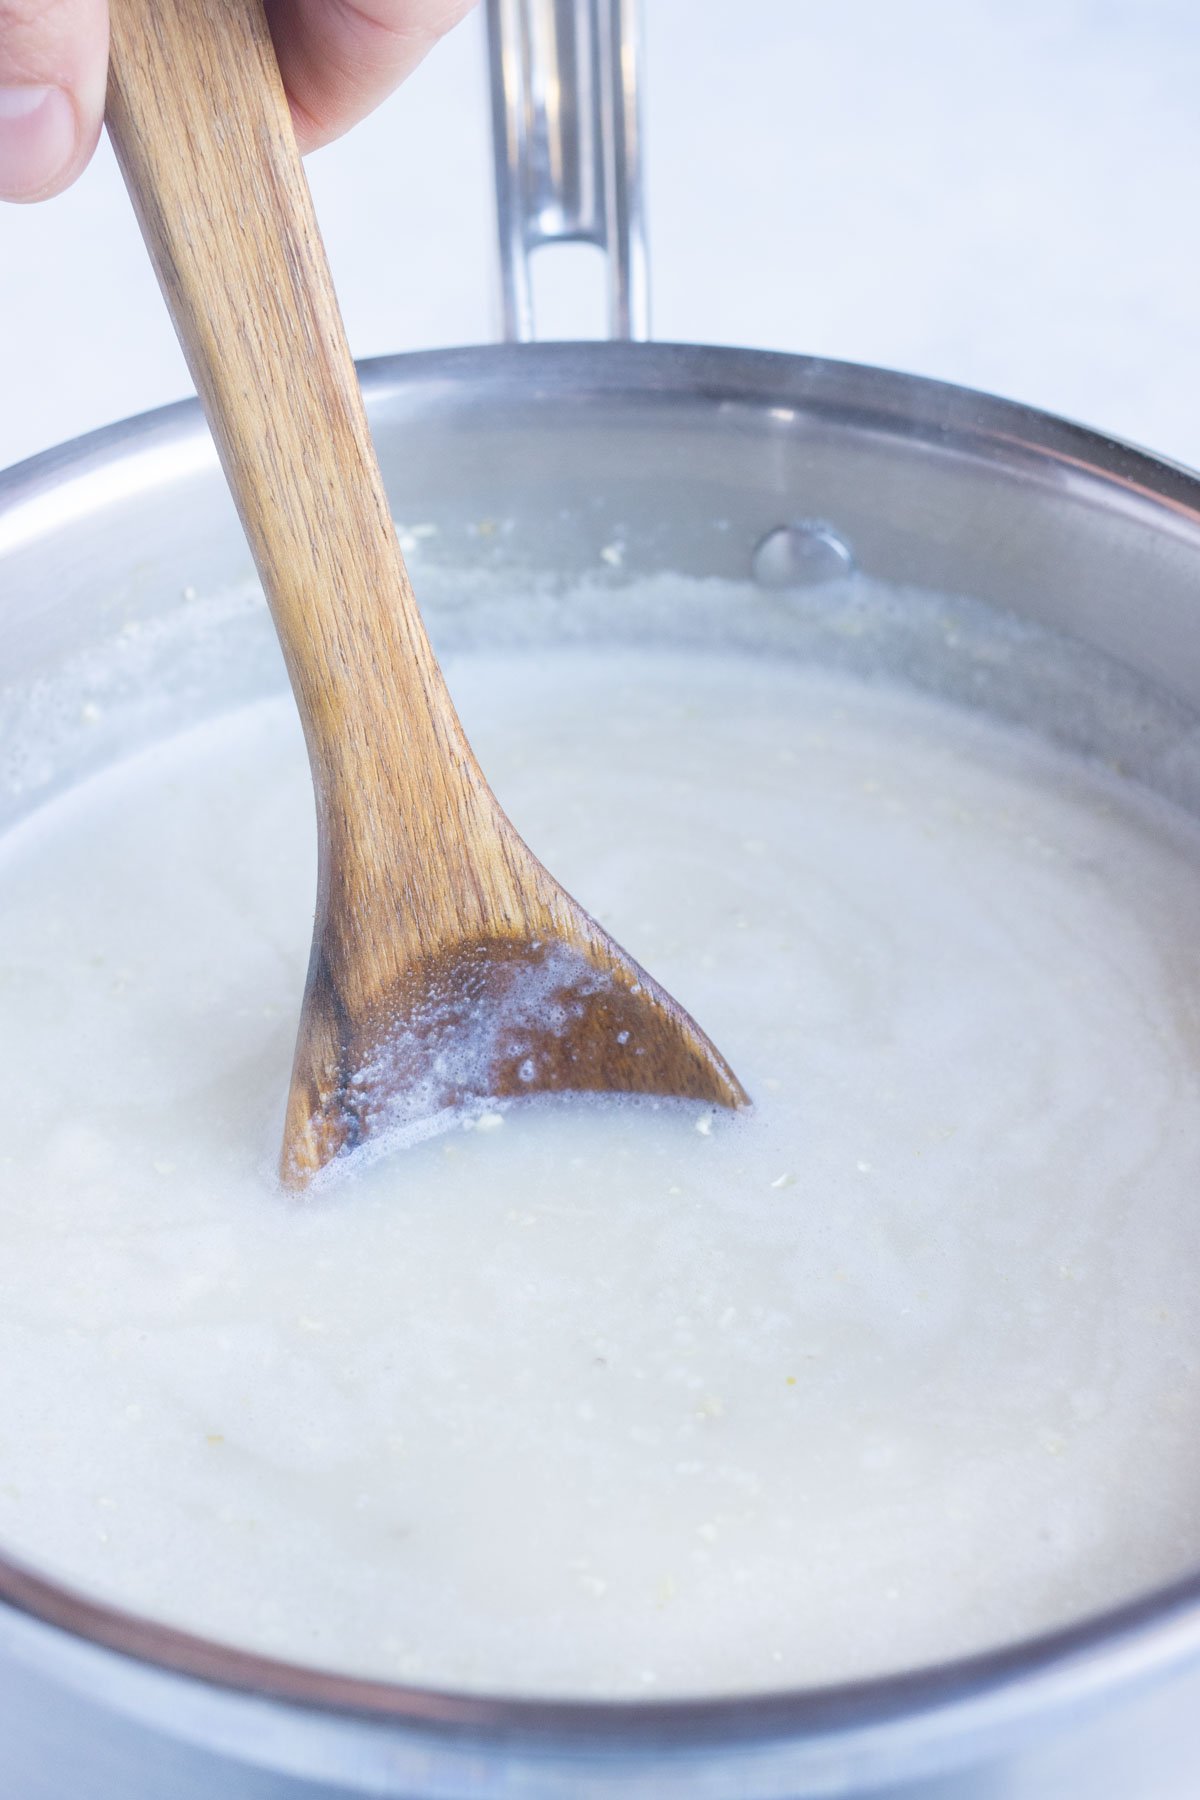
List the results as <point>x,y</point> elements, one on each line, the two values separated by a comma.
<point>804,475</point>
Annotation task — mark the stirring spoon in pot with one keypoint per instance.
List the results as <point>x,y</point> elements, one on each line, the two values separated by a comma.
<point>448,967</point>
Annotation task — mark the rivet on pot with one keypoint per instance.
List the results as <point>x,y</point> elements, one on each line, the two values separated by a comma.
<point>801,555</point>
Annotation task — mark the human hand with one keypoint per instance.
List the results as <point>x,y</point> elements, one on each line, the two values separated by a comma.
<point>339,59</point>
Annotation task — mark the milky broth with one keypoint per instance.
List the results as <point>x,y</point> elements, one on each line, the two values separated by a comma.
<point>616,1399</point>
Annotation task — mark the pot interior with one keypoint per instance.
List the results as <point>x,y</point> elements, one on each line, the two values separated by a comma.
<point>570,474</point>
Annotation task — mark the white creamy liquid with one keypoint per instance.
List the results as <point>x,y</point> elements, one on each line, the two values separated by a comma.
<point>595,1399</point>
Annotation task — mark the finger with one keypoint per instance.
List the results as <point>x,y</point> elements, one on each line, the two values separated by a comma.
<point>340,58</point>
<point>53,58</point>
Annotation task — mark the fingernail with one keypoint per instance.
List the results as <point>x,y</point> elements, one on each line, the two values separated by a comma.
<point>37,139</point>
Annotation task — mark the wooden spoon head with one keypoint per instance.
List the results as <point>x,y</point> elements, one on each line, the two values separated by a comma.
<point>499,1018</point>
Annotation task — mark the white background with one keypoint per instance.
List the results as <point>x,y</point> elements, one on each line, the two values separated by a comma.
<point>999,192</point>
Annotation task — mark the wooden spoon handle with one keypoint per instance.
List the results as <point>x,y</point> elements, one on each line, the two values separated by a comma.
<point>201,127</point>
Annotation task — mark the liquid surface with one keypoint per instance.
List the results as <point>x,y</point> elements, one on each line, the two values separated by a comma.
<point>604,1399</point>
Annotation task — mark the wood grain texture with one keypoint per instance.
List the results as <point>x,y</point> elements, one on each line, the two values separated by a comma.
<point>447,964</point>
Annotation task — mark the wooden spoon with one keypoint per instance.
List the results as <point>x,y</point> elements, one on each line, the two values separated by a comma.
<point>448,967</point>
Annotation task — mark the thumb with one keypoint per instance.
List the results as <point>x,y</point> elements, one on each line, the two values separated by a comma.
<point>53,55</point>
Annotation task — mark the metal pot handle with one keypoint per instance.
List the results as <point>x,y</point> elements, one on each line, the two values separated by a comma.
<point>567,143</point>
